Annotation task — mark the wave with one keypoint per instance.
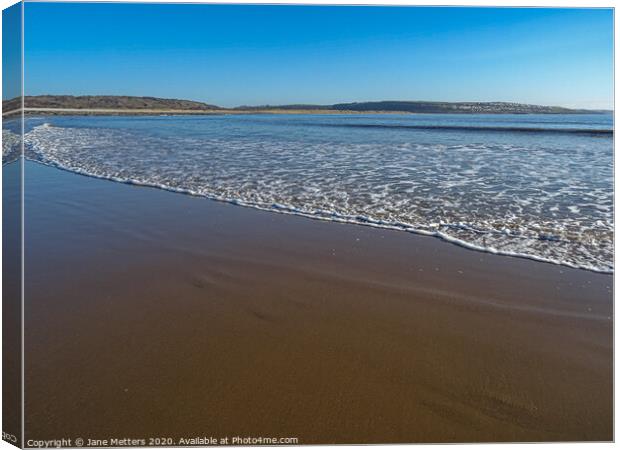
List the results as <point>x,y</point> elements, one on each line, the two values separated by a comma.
<point>268,176</point>
<point>331,216</point>
<point>467,128</point>
<point>11,146</point>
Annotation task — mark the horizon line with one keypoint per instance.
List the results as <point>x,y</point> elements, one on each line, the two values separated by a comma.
<point>272,105</point>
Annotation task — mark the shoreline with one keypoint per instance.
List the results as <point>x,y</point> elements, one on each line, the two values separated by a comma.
<point>224,111</point>
<point>282,209</point>
<point>189,112</point>
<point>234,321</point>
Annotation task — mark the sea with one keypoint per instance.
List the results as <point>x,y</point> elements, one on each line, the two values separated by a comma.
<point>532,186</point>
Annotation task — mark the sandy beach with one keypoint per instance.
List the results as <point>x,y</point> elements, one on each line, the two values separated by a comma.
<point>155,314</point>
<point>11,306</point>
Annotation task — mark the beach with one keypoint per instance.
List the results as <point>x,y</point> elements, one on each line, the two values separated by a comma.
<point>152,314</point>
<point>307,224</point>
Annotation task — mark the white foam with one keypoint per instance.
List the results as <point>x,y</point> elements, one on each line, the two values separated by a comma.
<point>493,198</point>
<point>11,146</point>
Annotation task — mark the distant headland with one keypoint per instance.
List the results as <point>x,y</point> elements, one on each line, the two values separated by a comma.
<point>120,104</point>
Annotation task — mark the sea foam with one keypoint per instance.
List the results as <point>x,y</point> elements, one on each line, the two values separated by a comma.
<point>546,198</point>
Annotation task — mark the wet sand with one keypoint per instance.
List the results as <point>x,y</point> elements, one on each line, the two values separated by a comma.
<point>11,304</point>
<point>154,314</point>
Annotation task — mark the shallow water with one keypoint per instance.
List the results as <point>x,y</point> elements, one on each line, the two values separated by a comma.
<point>530,185</point>
<point>11,140</point>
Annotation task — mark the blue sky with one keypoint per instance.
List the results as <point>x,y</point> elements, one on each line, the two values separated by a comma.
<point>234,55</point>
<point>11,52</point>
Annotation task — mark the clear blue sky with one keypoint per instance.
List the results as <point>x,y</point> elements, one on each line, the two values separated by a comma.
<point>234,55</point>
<point>11,52</point>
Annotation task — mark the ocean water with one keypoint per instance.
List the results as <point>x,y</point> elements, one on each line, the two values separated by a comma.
<point>537,186</point>
<point>11,140</point>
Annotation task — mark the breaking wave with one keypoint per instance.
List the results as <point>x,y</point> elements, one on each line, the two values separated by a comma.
<point>548,202</point>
